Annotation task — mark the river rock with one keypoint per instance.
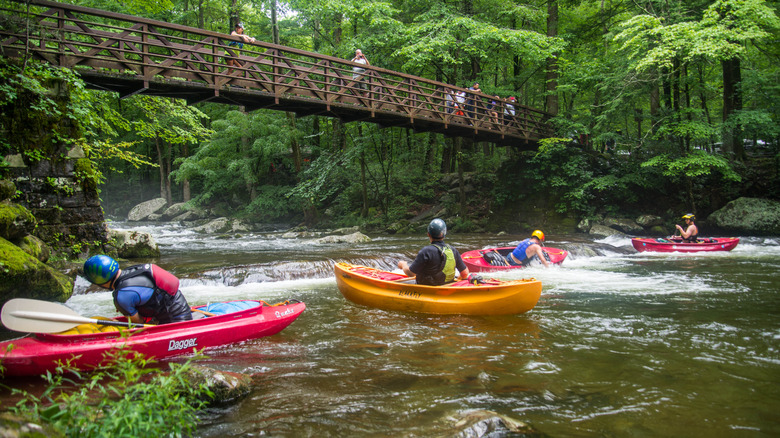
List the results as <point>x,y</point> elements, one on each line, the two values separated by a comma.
<point>484,423</point>
<point>218,225</point>
<point>15,221</point>
<point>7,189</point>
<point>627,226</point>
<point>584,226</point>
<point>172,211</point>
<point>35,247</point>
<point>144,209</point>
<point>649,221</point>
<point>601,230</point>
<point>226,386</point>
<point>753,216</point>
<point>349,238</point>
<point>13,426</point>
<point>24,276</point>
<point>133,244</point>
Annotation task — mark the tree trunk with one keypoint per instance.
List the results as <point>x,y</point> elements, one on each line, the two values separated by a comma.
<point>294,145</point>
<point>551,76</point>
<point>186,195</point>
<point>274,23</point>
<point>161,162</point>
<point>364,186</point>
<point>732,103</point>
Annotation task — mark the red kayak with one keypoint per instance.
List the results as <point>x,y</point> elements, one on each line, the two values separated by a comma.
<point>38,353</point>
<point>486,260</point>
<point>677,245</point>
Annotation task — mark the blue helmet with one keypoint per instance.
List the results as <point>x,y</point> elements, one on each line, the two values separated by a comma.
<point>437,229</point>
<point>100,269</point>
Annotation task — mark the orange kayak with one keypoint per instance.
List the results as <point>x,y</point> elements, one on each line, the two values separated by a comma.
<point>392,291</point>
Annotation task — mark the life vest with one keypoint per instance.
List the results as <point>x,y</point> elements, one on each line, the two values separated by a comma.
<point>694,238</point>
<point>519,252</point>
<point>448,262</point>
<point>167,303</point>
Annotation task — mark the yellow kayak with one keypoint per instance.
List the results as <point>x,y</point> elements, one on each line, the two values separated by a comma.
<point>392,291</point>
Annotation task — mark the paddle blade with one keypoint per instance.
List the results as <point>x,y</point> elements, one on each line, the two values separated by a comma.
<point>35,316</point>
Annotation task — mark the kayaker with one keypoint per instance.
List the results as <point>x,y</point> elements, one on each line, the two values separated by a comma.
<point>527,250</point>
<point>691,233</point>
<point>142,293</point>
<point>436,263</point>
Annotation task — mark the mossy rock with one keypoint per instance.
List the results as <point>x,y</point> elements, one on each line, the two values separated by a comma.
<point>15,426</point>
<point>7,189</point>
<point>35,247</point>
<point>15,221</point>
<point>24,276</point>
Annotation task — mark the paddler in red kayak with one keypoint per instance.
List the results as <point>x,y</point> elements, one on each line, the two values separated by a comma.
<point>435,264</point>
<point>691,233</point>
<point>142,293</point>
<point>527,250</point>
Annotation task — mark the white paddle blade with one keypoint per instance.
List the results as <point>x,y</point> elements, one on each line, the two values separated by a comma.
<point>35,316</point>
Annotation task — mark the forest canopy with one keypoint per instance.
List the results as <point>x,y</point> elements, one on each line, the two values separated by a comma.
<point>644,97</point>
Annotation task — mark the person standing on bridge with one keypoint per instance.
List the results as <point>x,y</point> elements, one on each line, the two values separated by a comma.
<point>509,110</point>
<point>237,32</point>
<point>359,72</point>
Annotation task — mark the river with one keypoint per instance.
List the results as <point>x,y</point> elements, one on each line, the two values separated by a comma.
<point>620,344</point>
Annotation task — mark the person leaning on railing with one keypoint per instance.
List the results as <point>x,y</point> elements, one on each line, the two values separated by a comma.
<point>232,61</point>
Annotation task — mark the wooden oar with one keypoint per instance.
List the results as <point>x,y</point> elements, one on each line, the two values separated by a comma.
<point>35,316</point>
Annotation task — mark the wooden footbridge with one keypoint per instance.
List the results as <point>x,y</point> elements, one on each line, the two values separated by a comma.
<point>132,55</point>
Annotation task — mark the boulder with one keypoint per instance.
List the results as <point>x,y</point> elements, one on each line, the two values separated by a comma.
<point>172,211</point>
<point>24,276</point>
<point>584,225</point>
<point>627,226</point>
<point>144,209</point>
<point>649,220</point>
<point>349,238</point>
<point>483,423</point>
<point>15,221</point>
<point>7,189</point>
<point>601,230</point>
<point>219,225</point>
<point>752,216</point>
<point>13,426</point>
<point>35,247</point>
<point>132,244</point>
<point>224,385</point>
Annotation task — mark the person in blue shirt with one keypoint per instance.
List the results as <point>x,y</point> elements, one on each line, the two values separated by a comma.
<point>143,293</point>
<point>527,250</point>
<point>436,263</point>
<point>232,61</point>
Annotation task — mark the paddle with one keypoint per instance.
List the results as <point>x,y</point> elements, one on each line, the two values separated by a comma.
<point>34,316</point>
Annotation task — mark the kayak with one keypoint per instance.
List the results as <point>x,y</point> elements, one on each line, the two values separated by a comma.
<point>672,245</point>
<point>486,260</point>
<point>86,345</point>
<point>393,291</point>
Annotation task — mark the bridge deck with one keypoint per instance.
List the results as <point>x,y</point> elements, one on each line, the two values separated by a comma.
<point>132,55</point>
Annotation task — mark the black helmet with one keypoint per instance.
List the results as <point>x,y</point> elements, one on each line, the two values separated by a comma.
<point>437,229</point>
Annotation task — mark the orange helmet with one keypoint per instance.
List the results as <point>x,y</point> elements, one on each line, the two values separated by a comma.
<point>539,235</point>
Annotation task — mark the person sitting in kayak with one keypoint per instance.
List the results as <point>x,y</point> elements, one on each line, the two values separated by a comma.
<point>436,263</point>
<point>527,250</point>
<point>142,293</point>
<point>691,233</point>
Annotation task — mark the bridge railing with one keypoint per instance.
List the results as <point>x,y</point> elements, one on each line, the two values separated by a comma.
<point>108,44</point>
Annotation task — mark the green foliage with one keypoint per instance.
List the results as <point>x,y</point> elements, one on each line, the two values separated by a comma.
<point>695,165</point>
<point>128,399</point>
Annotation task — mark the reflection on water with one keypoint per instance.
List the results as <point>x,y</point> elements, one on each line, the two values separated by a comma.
<point>620,344</point>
